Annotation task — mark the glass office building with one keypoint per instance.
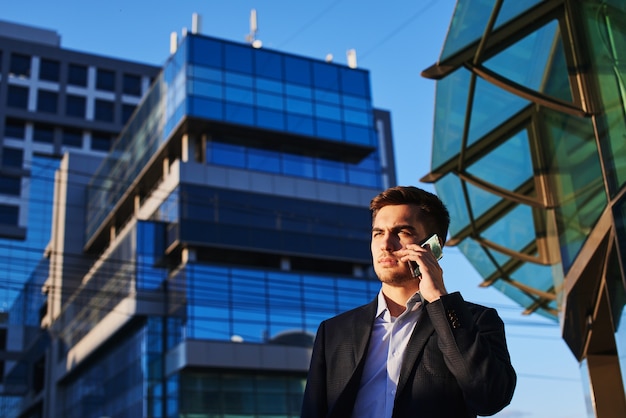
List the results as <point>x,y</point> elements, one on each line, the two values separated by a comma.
<point>52,100</point>
<point>529,153</point>
<point>190,267</point>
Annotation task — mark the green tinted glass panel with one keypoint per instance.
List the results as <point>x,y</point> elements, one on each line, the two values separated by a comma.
<point>523,298</point>
<point>450,108</point>
<point>449,190</point>
<point>513,292</point>
<point>577,180</point>
<point>514,230</point>
<point>536,62</point>
<point>606,31</point>
<point>535,275</point>
<point>483,260</point>
<point>491,107</point>
<point>471,17</point>
<point>508,166</point>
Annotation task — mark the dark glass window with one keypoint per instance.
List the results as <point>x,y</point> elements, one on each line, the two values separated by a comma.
<point>9,214</point>
<point>238,58</point>
<point>227,154</point>
<point>270,119</point>
<point>47,101</point>
<point>104,110</point>
<point>131,84</point>
<point>49,70</point>
<point>101,141</point>
<point>325,76</point>
<point>263,160</point>
<point>72,137</point>
<point>14,128</point>
<point>297,70</point>
<point>0,62</point>
<point>127,112</point>
<point>43,133</point>
<point>12,157</point>
<point>77,75</point>
<point>268,64</point>
<point>105,80</point>
<point>20,65</point>
<point>75,106</point>
<point>354,82</point>
<point>17,97</point>
<point>10,185</point>
<point>206,52</point>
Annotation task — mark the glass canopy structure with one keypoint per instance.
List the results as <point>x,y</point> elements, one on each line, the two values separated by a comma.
<point>529,154</point>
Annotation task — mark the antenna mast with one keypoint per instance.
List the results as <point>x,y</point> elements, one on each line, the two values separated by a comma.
<point>251,37</point>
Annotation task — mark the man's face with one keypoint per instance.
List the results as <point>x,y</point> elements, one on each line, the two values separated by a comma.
<point>394,227</point>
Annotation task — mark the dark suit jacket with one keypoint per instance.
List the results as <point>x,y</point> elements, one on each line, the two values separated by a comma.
<point>456,364</point>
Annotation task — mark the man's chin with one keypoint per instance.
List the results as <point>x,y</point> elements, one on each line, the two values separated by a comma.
<point>395,280</point>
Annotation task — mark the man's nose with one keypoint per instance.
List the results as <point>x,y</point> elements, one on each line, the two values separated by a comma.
<point>390,243</point>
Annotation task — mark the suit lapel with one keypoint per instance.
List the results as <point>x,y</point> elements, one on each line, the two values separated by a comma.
<point>423,330</point>
<point>358,330</point>
<point>361,329</point>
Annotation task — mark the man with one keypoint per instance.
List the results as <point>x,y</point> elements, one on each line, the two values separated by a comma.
<point>415,350</point>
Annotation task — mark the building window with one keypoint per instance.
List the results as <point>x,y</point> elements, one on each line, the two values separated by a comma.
<point>131,84</point>
<point>14,128</point>
<point>43,133</point>
<point>20,65</point>
<point>77,75</point>
<point>9,214</point>
<point>101,141</point>
<point>72,138</point>
<point>10,185</point>
<point>17,96</point>
<point>127,112</point>
<point>12,157</point>
<point>75,106</point>
<point>47,101</point>
<point>105,80</point>
<point>104,111</point>
<point>49,70</point>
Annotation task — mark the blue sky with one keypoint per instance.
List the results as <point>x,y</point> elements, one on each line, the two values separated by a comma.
<point>395,41</point>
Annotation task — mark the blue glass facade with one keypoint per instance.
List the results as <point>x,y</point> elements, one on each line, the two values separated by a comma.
<point>230,218</point>
<point>268,111</point>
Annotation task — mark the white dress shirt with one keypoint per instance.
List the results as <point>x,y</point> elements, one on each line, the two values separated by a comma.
<point>389,338</point>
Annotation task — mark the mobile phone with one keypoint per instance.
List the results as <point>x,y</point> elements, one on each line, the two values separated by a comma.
<point>435,248</point>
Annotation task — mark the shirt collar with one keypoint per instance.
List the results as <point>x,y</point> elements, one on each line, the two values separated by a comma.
<point>412,304</point>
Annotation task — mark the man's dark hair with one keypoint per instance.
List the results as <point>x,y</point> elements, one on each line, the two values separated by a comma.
<point>427,202</point>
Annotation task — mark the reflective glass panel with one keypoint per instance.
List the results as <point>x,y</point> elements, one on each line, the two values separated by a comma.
<point>527,62</point>
<point>470,18</point>
<point>297,71</point>
<point>49,70</point>
<point>578,185</point>
<point>77,75</point>
<point>268,64</point>
<point>47,101</point>
<point>238,58</point>
<point>605,29</point>
<point>508,166</point>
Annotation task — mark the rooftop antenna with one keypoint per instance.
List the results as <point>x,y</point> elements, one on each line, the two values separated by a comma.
<point>173,42</point>
<point>351,56</point>
<point>196,23</point>
<point>251,37</point>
